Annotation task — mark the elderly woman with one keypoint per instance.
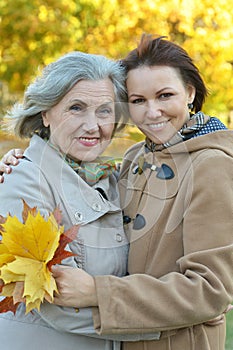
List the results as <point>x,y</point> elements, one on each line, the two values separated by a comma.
<point>70,113</point>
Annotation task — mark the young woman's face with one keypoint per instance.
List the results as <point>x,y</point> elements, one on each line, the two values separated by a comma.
<point>82,123</point>
<point>158,101</point>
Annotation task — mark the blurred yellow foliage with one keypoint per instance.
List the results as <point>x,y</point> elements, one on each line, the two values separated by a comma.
<point>35,32</point>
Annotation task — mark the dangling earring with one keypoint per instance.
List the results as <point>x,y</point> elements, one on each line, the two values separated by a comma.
<point>190,107</point>
<point>44,132</point>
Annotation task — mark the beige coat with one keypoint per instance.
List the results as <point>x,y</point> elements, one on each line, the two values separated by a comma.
<point>181,259</point>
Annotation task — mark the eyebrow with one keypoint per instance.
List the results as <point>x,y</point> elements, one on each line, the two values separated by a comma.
<point>134,94</point>
<point>84,103</point>
<point>165,88</point>
<point>76,100</point>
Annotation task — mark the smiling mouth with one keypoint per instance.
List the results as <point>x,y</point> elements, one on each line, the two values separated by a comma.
<point>157,125</point>
<point>89,141</point>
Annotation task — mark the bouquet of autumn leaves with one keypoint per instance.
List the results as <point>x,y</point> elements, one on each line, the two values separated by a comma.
<point>28,250</point>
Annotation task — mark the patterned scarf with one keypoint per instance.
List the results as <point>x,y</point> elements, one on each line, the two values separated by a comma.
<point>90,172</point>
<point>194,124</point>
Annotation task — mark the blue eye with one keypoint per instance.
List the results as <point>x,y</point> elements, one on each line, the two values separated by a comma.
<point>76,108</point>
<point>105,111</point>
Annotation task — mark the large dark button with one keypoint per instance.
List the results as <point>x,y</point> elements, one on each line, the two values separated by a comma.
<point>139,222</point>
<point>165,172</point>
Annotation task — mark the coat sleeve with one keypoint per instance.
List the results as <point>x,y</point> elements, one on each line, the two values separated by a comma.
<point>28,184</point>
<point>80,322</point>
<point>202,286</point>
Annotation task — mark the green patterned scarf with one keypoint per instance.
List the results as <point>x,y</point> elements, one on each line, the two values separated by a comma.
<point>90,172</point>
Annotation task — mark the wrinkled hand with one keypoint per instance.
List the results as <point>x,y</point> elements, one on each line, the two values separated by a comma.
<point>10,158</point>
<point>76,287</point>
<point>219,319</point>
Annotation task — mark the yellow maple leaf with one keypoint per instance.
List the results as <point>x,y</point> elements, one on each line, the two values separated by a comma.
<point>37,238</point>
<point>5,255</point>
<point>25,251</point>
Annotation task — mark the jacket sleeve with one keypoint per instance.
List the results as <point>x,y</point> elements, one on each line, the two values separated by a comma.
<point>202,286</point>
<point>80,322</point>
<point>23,184</point>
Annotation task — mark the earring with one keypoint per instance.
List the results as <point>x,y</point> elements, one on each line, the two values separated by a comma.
<point>190,106</point>
<point>44,132</point>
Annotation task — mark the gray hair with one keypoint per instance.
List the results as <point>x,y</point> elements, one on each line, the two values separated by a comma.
<point>55,82</point>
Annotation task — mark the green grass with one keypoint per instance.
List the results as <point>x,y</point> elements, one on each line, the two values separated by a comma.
<point>229,340</point>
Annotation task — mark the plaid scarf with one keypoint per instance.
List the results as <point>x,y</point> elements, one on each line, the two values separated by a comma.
<point>195,123</point>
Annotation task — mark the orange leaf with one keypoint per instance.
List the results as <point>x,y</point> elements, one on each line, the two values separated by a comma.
<point>7,304</point>
<point>61,253</point>
<point>1,285</point>
<point>26,210</point>
<point>57,215</point>
<point>18,292</point>
<point>2,221</point>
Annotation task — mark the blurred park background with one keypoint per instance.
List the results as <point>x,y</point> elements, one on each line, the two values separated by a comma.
<point>35,32</point>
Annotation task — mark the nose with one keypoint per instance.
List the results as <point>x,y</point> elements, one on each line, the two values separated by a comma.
<point>91,122</point>
<point>153,110</point>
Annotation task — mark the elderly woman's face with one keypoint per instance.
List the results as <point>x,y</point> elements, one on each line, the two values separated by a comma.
<point>81,124</point>
<point>158,101</point>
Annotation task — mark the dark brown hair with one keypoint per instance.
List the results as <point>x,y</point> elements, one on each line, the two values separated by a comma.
<point>160,52</point>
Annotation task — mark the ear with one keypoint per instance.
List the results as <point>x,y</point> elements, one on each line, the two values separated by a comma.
<point>191,93</point>
<point>45,119</point>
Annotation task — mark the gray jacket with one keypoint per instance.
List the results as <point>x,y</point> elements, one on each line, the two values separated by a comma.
<point>44,180</point>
